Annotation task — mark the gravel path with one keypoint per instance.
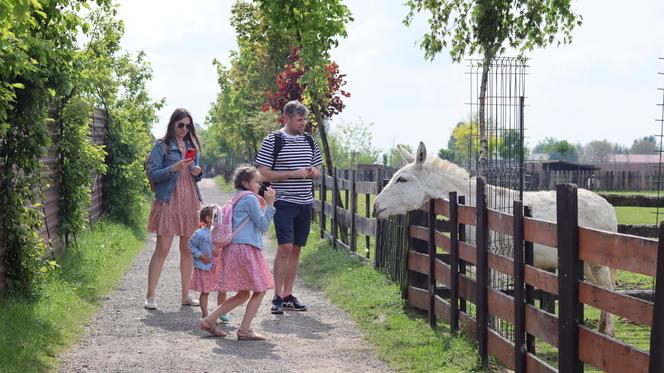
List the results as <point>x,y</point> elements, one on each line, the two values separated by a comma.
<point>125,337</point>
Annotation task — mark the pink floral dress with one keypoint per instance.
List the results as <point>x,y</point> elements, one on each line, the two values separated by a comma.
<point>178,216</point>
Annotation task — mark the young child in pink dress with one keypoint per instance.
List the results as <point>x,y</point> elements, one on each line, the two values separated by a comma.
<point>243,267</point>
<point>206,259</point>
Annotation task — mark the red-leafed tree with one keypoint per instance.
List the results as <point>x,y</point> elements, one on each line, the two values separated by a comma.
<point>290,87</point>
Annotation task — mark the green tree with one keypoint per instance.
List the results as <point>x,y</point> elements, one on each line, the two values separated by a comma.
<point>40,64</point>
<point>447,154</point>
<point>314,27</point>
<point>394,157</point>
<point>597,151</point>
<point>509,145</point>
<point>489,27</point>
<point>236,122</point>
<point>645,145</point>
<point>557,149</point>
<point>350,144</point>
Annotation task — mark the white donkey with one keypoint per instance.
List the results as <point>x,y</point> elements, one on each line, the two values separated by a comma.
<point>424,178</point>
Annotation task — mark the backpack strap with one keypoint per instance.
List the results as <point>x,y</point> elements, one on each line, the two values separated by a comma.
<point>279,144</point>
<point>310,140</point>
<point>244,222</point>
<point>240,195</point>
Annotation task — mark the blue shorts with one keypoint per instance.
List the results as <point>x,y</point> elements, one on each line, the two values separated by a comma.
<point>292,223</point>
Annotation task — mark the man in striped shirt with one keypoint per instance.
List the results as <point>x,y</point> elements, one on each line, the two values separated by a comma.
<point>289,160</point>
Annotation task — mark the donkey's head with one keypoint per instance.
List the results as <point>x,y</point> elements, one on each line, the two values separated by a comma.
<point>406,190</point>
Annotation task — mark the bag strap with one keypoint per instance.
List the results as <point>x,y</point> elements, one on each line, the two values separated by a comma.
<point>279,144</point>
<point>239,227</point>
<point>236,199</point>
<point>239,196</point>
<point>276,149</point>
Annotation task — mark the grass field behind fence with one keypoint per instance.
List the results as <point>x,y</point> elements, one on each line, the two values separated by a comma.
<point>34,332</point>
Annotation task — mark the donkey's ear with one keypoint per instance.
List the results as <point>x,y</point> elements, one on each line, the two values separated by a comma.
<point>405,154</point>
<point>421,154</point>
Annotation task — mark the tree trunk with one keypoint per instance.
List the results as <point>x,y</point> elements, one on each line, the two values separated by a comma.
<point>329,164</point>
<point>484,143</point>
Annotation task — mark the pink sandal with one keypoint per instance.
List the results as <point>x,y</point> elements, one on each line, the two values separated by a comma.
<point>214,330</point>
<point>249,335</point>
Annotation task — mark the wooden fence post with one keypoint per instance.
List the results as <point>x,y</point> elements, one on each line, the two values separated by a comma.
<point>353,211</point>
<point>380,184</point>
<point>530,291</point>
<point>482,270</point>
<point>323,198</point>
<point>657,330</point>
<point>519,290</point>
<point>454,263</point>
<point>570,271</point>
<point>432,262</point>
<point>347,207</point>
<point>335,203</point>
<point>416,217</point>
<point>462,264</point>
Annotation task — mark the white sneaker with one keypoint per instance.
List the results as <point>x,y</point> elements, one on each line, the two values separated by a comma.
<point>191,302</point>
<point>150,304</point>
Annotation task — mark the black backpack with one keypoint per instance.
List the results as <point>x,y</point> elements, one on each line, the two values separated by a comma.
<point>276,149</point>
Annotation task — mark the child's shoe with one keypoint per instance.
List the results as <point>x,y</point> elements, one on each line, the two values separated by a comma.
<point>224,318</point>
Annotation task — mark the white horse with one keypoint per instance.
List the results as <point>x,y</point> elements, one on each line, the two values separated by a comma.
<point>423,179</point>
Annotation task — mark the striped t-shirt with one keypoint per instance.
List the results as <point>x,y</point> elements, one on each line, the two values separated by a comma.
<point>295,154</point>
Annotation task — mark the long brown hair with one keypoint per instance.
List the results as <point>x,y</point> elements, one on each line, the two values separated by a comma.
<point>191,136</point>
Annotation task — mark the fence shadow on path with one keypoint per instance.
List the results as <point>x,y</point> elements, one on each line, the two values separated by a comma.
<point>297,323</point>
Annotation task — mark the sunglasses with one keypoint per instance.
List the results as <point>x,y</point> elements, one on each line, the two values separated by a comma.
<point>181,125</point>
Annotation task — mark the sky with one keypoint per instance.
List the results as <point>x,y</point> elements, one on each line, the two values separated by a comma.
<point>602,86</point>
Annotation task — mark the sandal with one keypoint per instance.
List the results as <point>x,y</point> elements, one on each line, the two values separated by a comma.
<point>214,330</point>
<point>190,301</point>
<point>249,335</point>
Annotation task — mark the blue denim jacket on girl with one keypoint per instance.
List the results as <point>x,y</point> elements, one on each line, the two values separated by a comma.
<point>201,243</point>
<point>252,233</point>
<point>162,177</point>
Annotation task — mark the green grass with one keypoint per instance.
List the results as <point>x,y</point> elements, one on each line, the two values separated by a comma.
<point>637,215</point>
<point>224,185</point>
<point>629,192</point>
<point>630,333</point>
<point>33,332</point>
<point>403,338</point>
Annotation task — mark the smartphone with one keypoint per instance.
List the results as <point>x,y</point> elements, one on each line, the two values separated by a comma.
<point>190,154</point>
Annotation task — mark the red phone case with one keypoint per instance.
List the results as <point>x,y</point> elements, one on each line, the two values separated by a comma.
<point>190,154</point>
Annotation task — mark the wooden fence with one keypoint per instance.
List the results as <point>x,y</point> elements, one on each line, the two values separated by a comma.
<point>355,192</point>
<point>428,258</point>
<point>50,190</point>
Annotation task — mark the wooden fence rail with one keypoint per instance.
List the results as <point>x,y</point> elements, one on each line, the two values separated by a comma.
<point>429,260</point>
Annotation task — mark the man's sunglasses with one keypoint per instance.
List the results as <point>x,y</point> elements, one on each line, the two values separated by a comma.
<point>189,126</point>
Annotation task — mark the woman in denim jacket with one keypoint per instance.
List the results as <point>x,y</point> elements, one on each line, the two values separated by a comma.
<point>177,200</point>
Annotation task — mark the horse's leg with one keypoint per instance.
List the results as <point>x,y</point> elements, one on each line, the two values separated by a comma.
<point>602,276</point>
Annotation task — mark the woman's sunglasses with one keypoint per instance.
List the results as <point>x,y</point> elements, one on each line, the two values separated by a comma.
<point>181,125</point>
